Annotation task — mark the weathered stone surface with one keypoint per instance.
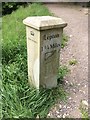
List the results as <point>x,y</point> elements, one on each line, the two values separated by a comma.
<point>44,22</point>
<point>44,36</point>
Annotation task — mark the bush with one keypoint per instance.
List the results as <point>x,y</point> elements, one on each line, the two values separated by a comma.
<point>8,7</point>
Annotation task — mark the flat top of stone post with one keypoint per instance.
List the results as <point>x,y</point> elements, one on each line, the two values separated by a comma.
<point>44,22</point>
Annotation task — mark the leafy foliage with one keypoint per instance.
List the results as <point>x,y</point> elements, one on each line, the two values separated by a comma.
<point>8,7</point>
<point>63,71</point>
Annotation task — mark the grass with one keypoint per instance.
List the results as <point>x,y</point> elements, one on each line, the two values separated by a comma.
<point>63,71</point>
<point>64,41</point>
<point>84,111</point>
<point>18,98</point>
<point>23,101</point>
<point>73,62</point>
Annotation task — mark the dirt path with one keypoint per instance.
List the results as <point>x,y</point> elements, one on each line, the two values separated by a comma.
<point>77,81</point>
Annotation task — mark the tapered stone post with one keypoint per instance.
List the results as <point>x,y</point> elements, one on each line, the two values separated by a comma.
<point>44,35</point>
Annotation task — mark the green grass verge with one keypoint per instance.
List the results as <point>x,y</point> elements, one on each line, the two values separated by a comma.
<point>18,98</point>
<point>14,31</point>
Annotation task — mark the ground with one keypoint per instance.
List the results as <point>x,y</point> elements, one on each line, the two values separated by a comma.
<point>76,82</point>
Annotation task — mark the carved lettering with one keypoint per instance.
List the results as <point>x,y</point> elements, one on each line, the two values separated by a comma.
<point>32,33</point>
<point>50,43</point>
<point>45,37</point>
<point>51,46</point>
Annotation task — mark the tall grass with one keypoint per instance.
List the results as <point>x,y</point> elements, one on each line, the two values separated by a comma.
<point>18,98</point>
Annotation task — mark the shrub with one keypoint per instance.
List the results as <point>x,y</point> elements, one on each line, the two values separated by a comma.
<point>8,7</point>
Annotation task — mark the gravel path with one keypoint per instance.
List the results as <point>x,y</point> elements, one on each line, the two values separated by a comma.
<point>76,83</point>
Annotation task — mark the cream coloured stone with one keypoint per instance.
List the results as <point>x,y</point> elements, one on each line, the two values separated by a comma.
<point>44,36</point>
<point>44,22</point>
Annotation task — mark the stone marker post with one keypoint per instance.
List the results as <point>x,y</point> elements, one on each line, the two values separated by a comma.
<point>44,34</point>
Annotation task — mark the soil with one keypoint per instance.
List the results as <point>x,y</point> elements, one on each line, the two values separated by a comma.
<point>76,82</point>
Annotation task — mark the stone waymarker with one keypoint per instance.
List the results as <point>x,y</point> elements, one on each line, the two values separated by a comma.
<point>44,34</point>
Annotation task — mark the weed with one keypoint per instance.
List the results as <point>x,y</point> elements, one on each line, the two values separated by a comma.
<point>63,71</point>
<point>73,62</point>
<point>64,41</point>
<point>84,111</point>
